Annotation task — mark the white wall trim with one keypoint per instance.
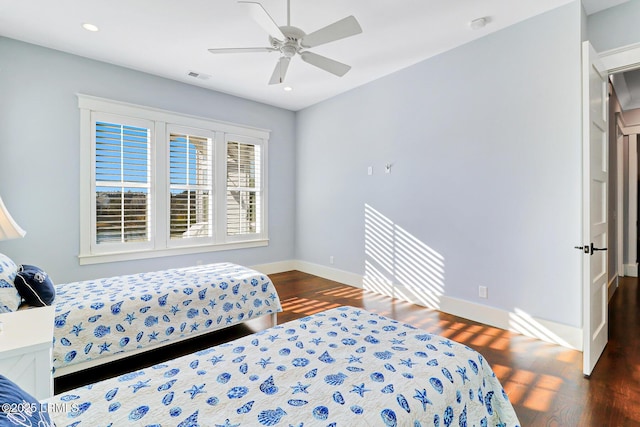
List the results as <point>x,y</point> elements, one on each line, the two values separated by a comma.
<point>631,129</point>
<point>330,273</point>
<point>516,321</point>
<point>275,267</point>
<point>632,197</point>
<point>620,202</point>
<point>622,58</point>
<point>95,103</point>
<point>631,270</point>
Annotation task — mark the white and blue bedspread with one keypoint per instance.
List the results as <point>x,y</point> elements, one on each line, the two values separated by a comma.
<point>342,367</point>
<point>96,318</point>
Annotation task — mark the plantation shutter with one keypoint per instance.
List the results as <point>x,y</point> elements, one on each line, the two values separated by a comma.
<point>244,193</point>
<point>190,164</point>
<point>122,183</point>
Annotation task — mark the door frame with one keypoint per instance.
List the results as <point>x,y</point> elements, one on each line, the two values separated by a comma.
<point>620,199</point>
<point>630,132</point>
<point>625,58</point>
<point>632,247</point>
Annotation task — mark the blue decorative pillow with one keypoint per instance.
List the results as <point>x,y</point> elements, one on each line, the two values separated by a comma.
<point>10,299</point>
<point>19,408</point>
<point>35,286</point>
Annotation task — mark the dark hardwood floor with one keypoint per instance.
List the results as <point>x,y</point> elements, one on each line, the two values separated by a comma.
<point>544,381</point>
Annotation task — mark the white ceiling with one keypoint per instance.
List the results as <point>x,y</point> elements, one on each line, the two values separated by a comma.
<point>594,6</point>
<point>170,38</point>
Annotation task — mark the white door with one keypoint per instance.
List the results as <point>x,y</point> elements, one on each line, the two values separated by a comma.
<point>594,207</point>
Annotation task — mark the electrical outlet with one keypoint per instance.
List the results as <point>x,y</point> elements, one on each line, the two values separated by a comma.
<point>331,259</point>
<point>483,292</point>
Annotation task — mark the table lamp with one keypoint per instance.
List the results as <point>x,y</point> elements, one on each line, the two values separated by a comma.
<point>8,227</point>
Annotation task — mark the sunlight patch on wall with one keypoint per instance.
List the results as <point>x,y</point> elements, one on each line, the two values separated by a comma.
<point>398,264</point>
<point>376,280</point>
<point>525,324</point>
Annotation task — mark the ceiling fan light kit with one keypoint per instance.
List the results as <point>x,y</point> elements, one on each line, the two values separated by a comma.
<point>289,41</point>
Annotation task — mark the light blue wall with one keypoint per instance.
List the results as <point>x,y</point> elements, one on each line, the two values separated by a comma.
<point>615,27</point>
<point>484,143</point>
<point>39,153</point>
<point>485,147</point>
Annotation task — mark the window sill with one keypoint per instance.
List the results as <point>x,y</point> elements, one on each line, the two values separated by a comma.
<point>87,259</point>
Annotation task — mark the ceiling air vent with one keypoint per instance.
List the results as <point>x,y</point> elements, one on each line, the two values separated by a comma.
<point>197,75</point>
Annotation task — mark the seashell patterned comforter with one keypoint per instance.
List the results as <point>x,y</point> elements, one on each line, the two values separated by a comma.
<point>341,367</point>
<point>103,317</point>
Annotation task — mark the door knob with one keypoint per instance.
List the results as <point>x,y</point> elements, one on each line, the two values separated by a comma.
<point>589,249</point>
<point>593,249</point>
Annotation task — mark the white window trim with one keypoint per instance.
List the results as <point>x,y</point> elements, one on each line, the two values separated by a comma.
<point>160,243</point>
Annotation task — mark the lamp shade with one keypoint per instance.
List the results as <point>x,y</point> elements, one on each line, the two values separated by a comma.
<point>8,227</point>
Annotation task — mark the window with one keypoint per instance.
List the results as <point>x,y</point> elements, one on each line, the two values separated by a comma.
<point>191,186</point>
<point>122,182</point>
<point>157,183</point>
<point>243,188</point>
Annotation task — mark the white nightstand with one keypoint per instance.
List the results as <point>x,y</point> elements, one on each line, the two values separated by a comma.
<point>25,349</point>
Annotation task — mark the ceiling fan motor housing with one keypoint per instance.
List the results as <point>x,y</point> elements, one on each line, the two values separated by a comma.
<point>291,45</point>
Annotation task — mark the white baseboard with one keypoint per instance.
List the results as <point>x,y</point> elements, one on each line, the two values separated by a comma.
<point>631,270</point>
<point>275,267</point>
<point>517,321</point>
<point>334,274</point>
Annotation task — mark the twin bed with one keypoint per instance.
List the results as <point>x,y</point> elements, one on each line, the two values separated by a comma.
<point>341,367</point>
<point>98,321</point>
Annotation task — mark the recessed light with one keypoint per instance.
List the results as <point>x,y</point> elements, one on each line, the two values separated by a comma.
<point>288,88</point>
<point>90,27</point>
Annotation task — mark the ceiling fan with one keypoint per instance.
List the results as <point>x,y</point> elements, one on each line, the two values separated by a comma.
<point>289,41</point>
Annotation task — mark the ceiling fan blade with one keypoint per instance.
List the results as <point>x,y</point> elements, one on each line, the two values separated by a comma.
<point>334,67</point>
<point>280,71</point>
<point>262,17</point>
<point>241,49</point>
<point>346,27</point>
